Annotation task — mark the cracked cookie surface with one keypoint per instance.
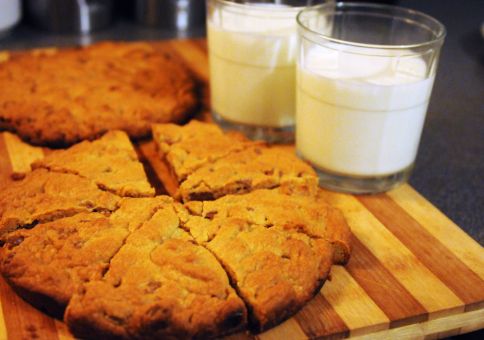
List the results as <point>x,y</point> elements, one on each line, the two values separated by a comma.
<point>306,214</point>
<point>42,197</point>
<point>61,97</point>
<point>150,267</point>
<point>277,249</point>
<point>209,163</point>
<point>110,161</point>
<point>187,148</point>
<point>49,261</point>
<point>160,284</point>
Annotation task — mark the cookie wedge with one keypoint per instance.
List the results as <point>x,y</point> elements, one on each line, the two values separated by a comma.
<point>43,196</point>
<point>47,263</point>
<point>278,249</point>
<point>208,163</point>
<point>110,161</point>
<point>161,284</point>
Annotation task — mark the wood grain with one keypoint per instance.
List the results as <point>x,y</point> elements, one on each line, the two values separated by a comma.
<point>413,272</point>
<point>350,301</point>
<point>407,268</point>
<point>318,318</point>
<point>22,320</point>
<point>430,251</point>
<point>441,227</point>
<point>382,287</point>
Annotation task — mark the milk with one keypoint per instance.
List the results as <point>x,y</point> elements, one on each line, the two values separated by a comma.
<point>9,13</point>
<point>252,64</point>
<point>360,115</point>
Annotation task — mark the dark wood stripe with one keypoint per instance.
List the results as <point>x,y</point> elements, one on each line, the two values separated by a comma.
<point>22,320</point>
<point>466,284</point>
<point>383,288</point>
<point>319,319</point>
<point>5,166</point>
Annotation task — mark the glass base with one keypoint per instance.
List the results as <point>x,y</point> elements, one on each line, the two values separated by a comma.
<point>362,185</point>
<point>283,135</point>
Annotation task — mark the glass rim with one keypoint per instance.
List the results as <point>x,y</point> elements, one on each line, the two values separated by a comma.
<point>264,8</point>
<point>440,33</point>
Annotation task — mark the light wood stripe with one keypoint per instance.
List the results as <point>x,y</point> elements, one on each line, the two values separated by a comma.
<point>23,321</point>
<point>319,319</point>
<point>388,293</point>
<point>289,329</point>
<point>454,324</point>
<point>353,305</point>
<point>441,227</point>
<point>196,59</point>
<point>21,154</point>
<point>437,258</point>
<point>408,269</point>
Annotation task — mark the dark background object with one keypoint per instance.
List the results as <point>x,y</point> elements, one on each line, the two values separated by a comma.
<point>170,14</point>
<point>69,16</point>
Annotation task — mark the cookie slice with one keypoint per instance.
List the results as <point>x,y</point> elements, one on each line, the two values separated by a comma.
<point>256,167</point>
<point>277,249</point>
<point>46,264</point>
<point>110,162</point>
<point>43,196</point>
<point>161,284</point>
<point>68,95</point>
<point>209,164</point>
<point>187,148</point>
<point>306,214</point>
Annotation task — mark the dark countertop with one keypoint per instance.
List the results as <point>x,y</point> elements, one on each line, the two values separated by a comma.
<point>450,166</point>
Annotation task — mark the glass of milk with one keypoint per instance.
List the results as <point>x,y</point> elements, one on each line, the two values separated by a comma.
<point>252,51</point>
<point>364,78</point>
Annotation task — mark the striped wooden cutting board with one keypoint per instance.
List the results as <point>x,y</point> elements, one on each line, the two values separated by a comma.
<point>413,272</point>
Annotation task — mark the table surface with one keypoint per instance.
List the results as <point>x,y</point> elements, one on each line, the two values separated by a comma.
<point>450,164</point>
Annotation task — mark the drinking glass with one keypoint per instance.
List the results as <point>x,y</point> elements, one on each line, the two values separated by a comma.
<point>252,50</point>
<point>364,77</point>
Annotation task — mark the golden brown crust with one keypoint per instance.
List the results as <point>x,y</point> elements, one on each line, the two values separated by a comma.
<point>307,214</point>
<point>253,168</point>
<point>65,96</point>
<point>154,268</point>
<point>209,164</point>
<point>52,259</point>
<point>43,196</point>
<point>277,248</point>
<point>187,148</point>
<point>110,162</point>
<point>159,285</point>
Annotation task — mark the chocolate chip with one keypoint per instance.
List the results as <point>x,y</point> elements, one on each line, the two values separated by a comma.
<point>14,241</point>
<point>211,214</point>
